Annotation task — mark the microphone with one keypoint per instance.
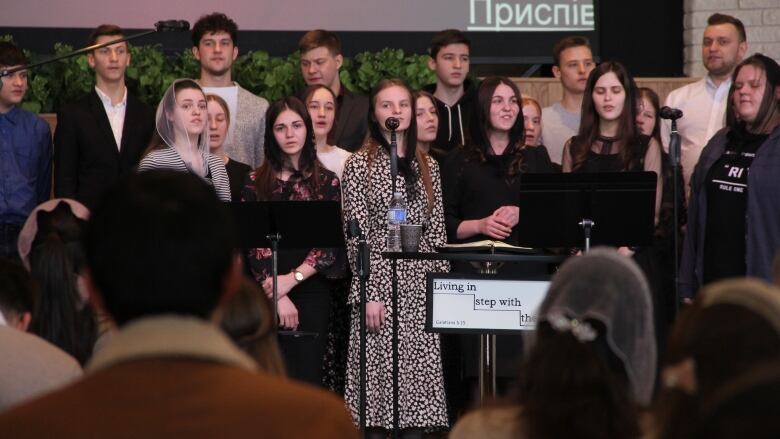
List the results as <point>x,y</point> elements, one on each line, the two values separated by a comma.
<point>670,113</point>
<point>392,123</point>
<point>172,26</point>
<point>353,228</point>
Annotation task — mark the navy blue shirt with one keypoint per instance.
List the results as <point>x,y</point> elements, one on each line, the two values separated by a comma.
<point>25,164</point>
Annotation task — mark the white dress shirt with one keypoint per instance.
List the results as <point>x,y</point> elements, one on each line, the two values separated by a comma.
<point>704,113</point>
<point>558,126</point>
<point>115,113</point>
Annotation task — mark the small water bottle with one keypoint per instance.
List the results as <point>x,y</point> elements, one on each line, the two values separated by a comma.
<point>396,215</point>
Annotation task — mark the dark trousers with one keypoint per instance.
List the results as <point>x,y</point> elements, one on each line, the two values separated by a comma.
<point>303,355</point>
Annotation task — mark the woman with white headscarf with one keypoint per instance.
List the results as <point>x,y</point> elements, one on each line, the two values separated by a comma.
<point>593,364</point>
<point>181,142</point>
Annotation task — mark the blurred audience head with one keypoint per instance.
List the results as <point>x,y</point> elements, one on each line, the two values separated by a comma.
<point>746,406</point>
<point>732,325</point>
<point>160,243</point>
<point>51,245</point>
<point>18,295</point>
<point>247,319</point>
<point>594,358</point>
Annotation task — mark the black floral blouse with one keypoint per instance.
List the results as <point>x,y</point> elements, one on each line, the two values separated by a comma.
<point>297,188</point>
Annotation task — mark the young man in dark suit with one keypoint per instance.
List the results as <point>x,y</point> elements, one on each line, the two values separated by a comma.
<point>101,136</point>
<point>321,60</point>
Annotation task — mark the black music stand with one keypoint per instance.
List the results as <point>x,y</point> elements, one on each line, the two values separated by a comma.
<point>565,210</point>
<point>287,225</point>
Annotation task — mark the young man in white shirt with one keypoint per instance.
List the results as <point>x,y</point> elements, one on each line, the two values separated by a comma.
<point>572,63</point>
<point>703,103</point>
<point>214,39</point>
<point>101,136</point>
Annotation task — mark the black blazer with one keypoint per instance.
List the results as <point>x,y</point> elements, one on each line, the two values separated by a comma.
<point>351,121</point>
<point>86,158</point>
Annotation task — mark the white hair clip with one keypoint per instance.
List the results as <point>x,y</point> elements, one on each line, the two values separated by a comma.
<point>580,329</point>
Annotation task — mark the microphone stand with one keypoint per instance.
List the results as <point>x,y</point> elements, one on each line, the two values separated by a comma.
<point>274,239</point>
<point>160,26</point>
<point>394,299</point>
<point>674,156</point>
<point>363,269</point>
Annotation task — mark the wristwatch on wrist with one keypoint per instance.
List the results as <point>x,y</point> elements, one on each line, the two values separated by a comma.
<point>298,276</point>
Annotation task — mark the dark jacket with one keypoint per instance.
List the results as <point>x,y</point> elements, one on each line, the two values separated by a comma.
<point>762,217</point>
<point>86,158</point>
<point>351,122</point>
<point>454,121</point>
<point>473,189</point>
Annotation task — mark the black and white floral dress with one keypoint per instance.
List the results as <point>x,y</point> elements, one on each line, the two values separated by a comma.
<point>367,192</point>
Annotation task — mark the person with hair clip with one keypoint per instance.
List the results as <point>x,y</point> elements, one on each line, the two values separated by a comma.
<point>291,172</point>
<point>733,228</point>
<point>323,107</point>
<point>246,319</point>
<point>181,141</point>
<point>427,124</point>
<point>219,122</point>
<point>592,366</point>
<point>367,196</point>
<point>50,246</point>
<point>481,183</point>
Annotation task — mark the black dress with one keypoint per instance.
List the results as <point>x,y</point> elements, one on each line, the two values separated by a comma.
<point>657,259</point>
<point>303,356</point>
<point>474,189</point>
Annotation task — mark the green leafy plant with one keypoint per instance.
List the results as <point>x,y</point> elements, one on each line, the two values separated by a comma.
<point>267,76</point>
<point>151,72</point>
<point>69,78</point>
<point>371,67</point>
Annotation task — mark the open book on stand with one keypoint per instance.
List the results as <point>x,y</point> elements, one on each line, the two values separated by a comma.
<point>487,245</point>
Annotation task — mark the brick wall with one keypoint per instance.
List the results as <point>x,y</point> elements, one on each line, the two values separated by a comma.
<point>761,19</point>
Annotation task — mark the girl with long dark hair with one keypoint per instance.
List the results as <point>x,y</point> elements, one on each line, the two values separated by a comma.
<point>608,139</point>
<point>291,172</point>
<point>481,180</point>
<point>481,183</point>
